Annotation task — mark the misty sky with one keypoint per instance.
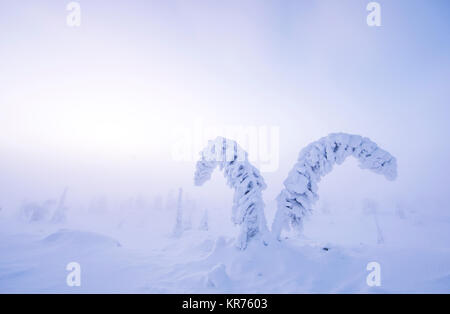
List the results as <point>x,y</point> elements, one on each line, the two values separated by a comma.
<point>94,107</point>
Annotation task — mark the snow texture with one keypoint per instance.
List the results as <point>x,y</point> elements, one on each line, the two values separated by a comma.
<point>34,257</point>
<point>204,225</point>
<point>244,178</point>
<point>217,277</point>
<point>315,161</point>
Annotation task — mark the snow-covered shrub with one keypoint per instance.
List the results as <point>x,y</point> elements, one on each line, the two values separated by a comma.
<point>50,210</point>
<point>244,178</point>
<point>315,161</point>
<point>33,212</point>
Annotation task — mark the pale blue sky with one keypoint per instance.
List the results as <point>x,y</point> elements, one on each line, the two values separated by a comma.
<point>101,99</point>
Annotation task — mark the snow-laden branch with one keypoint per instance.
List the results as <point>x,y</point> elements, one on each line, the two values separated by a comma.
<point>315,161</point>
<point>248,206</point>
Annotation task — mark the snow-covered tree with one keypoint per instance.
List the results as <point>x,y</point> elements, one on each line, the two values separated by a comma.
<point>315,161</point>
<point>178,229</point>
<point>244,178</point>
<point>60,214</point>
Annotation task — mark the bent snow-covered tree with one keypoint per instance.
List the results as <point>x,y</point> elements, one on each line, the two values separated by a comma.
<point>244,178</point>
<point>315,161</point>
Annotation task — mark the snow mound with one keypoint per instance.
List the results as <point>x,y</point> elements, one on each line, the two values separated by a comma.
<point>217,277</point>
<point>80,238</point>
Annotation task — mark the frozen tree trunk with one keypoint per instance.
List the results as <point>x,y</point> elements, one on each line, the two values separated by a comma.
<point>371,208</point>
<point>59,216</point>
<point>315,161</point>
<point>204,222</point>
<point>178,229</point>
<point>244,178</point>
<point>380,238</point>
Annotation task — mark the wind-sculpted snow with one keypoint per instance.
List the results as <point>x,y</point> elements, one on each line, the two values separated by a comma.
<point>248,206</point>
<point>315,161</point>
<point>76,238</point>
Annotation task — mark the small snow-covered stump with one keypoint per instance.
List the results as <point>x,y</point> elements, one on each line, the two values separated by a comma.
<point>315,161</point>
<point>60,214</point>
<point>244,178</point>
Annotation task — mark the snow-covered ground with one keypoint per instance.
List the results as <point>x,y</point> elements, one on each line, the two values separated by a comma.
<point>129,257</point>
